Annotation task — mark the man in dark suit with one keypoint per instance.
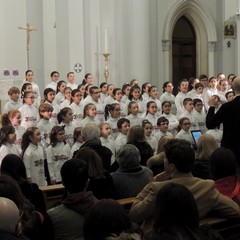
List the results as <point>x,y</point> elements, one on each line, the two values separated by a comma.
<point>229,116</point>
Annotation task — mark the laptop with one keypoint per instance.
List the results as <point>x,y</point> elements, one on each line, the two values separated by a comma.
<point>195,135</point>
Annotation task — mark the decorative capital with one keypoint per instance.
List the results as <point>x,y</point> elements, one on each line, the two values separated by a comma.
<point>212,46</point>
<point>165,45</point>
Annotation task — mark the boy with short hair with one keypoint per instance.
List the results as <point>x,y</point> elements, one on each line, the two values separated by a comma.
<point>162,124</point>
<point>13,102</point>
<point>199,114</point>
<point>123,125</point>
<point>188,109</point>
<point>71,81</point>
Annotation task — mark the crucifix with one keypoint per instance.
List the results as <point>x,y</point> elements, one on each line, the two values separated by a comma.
<point>28,29</point>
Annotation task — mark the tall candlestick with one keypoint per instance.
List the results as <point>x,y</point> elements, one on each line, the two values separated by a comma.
<point>106,40</point>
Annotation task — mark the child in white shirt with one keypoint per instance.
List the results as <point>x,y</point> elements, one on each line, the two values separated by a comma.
<point>168,96</point>
<point>33,156</point>
<point>185,133</point>
<point>103,93</point>
<point>13,102</point>
<point>117,95</point>
<point>162,124</point>
<point>89,115</point>
<point>7,138</point>
<point>151,115</point>
<point>199,114</point>
<point>114,111</point>
<point>125,90</point>
<point>68,96</point>
<point>153,96</point>
<point>13,118</point>
<point>123,125</point>
<point>107,140</point>
<point>133,114</point>
<point>28,112</point>
<point>77,108</point>
<point>59,97</point>
<point>57,153</point>
<point>65,118</point>
<point>148,129</point>
<point>188,108</point>
<point>77,139</point>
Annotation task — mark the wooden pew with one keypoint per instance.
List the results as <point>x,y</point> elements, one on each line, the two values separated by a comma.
<point>52,194</point>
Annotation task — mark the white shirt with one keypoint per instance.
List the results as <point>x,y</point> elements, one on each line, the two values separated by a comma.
<point>6,149</point>
<point>56,110</point>
<point>19,130</point>
<point>160,134</point>
<point>45,127</point>
<point>108,100</point>
<point>179,103</point>
<point>75,147</point>
<point>36,91</point>
<point>72,85</point>
<point>201,119</point>
<point>152,141</point>
<point>217,134</point>
<point>134,120</point>
<point>113,124</point>
<point>34,163</point>
<point>173,123</point>
<point>141,106</point>
<point>77,114</point>
<point>56,157</point>
<point>120,141</point>
<point>182,134</point>
<point>10,104</point>
<point>69,129</point>
<point>59,98</point>
<point>29,116</point>
<point>65,103</point>
<point>190,116</point>
<point>102,97</point>
<point>52,85</point>
<point>159,105</point>
<point>170,98</point>
<point>88,119</point>
<point>153,120</point>
<point>123,109</point>
<point>99,107</point>
<point>108,142</point>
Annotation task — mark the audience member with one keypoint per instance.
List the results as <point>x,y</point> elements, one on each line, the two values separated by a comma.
<point>223,170</point>
<point>178,163</point>
<point>10,224</point>
<point>131,177</point>
<point>66,220</point>
<point>108,218</point>
<point>206,144</point>
<point>137,138</point>
<point>100,181</point>
<point>91,136</point>
<point>14,167</point>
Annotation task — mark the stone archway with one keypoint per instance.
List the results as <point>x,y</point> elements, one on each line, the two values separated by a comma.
<point>205,31</point>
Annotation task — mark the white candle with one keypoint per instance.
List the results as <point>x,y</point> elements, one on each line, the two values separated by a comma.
<point>106,40</point>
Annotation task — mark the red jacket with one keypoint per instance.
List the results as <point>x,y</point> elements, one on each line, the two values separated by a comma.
<point>229,186</point>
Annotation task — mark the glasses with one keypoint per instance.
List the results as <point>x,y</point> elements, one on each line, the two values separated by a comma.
<point>17,230</point>
<point>78,95</point>
<point>164,123</point>
<point>186,124</point>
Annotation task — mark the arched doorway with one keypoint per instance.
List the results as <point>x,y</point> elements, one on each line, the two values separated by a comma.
<point>183,51</point>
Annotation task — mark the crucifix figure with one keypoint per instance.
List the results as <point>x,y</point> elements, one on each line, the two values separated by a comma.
<point>28,29</point>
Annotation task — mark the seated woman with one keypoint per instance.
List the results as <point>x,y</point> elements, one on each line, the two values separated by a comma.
<point>108,220</point>
<point>31,221</point>
<point>176,216</point>
<point>101,182</point>
<point>131,177</point>
<point>156,162</point>
<point>223,170</point>
<point>137,138</point>
<point>205,146</point>
<point>14,167</point>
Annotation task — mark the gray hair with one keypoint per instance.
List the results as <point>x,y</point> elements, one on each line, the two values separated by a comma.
<point>128,157</point>
<point>90,132</point>
<point>236,85</point>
